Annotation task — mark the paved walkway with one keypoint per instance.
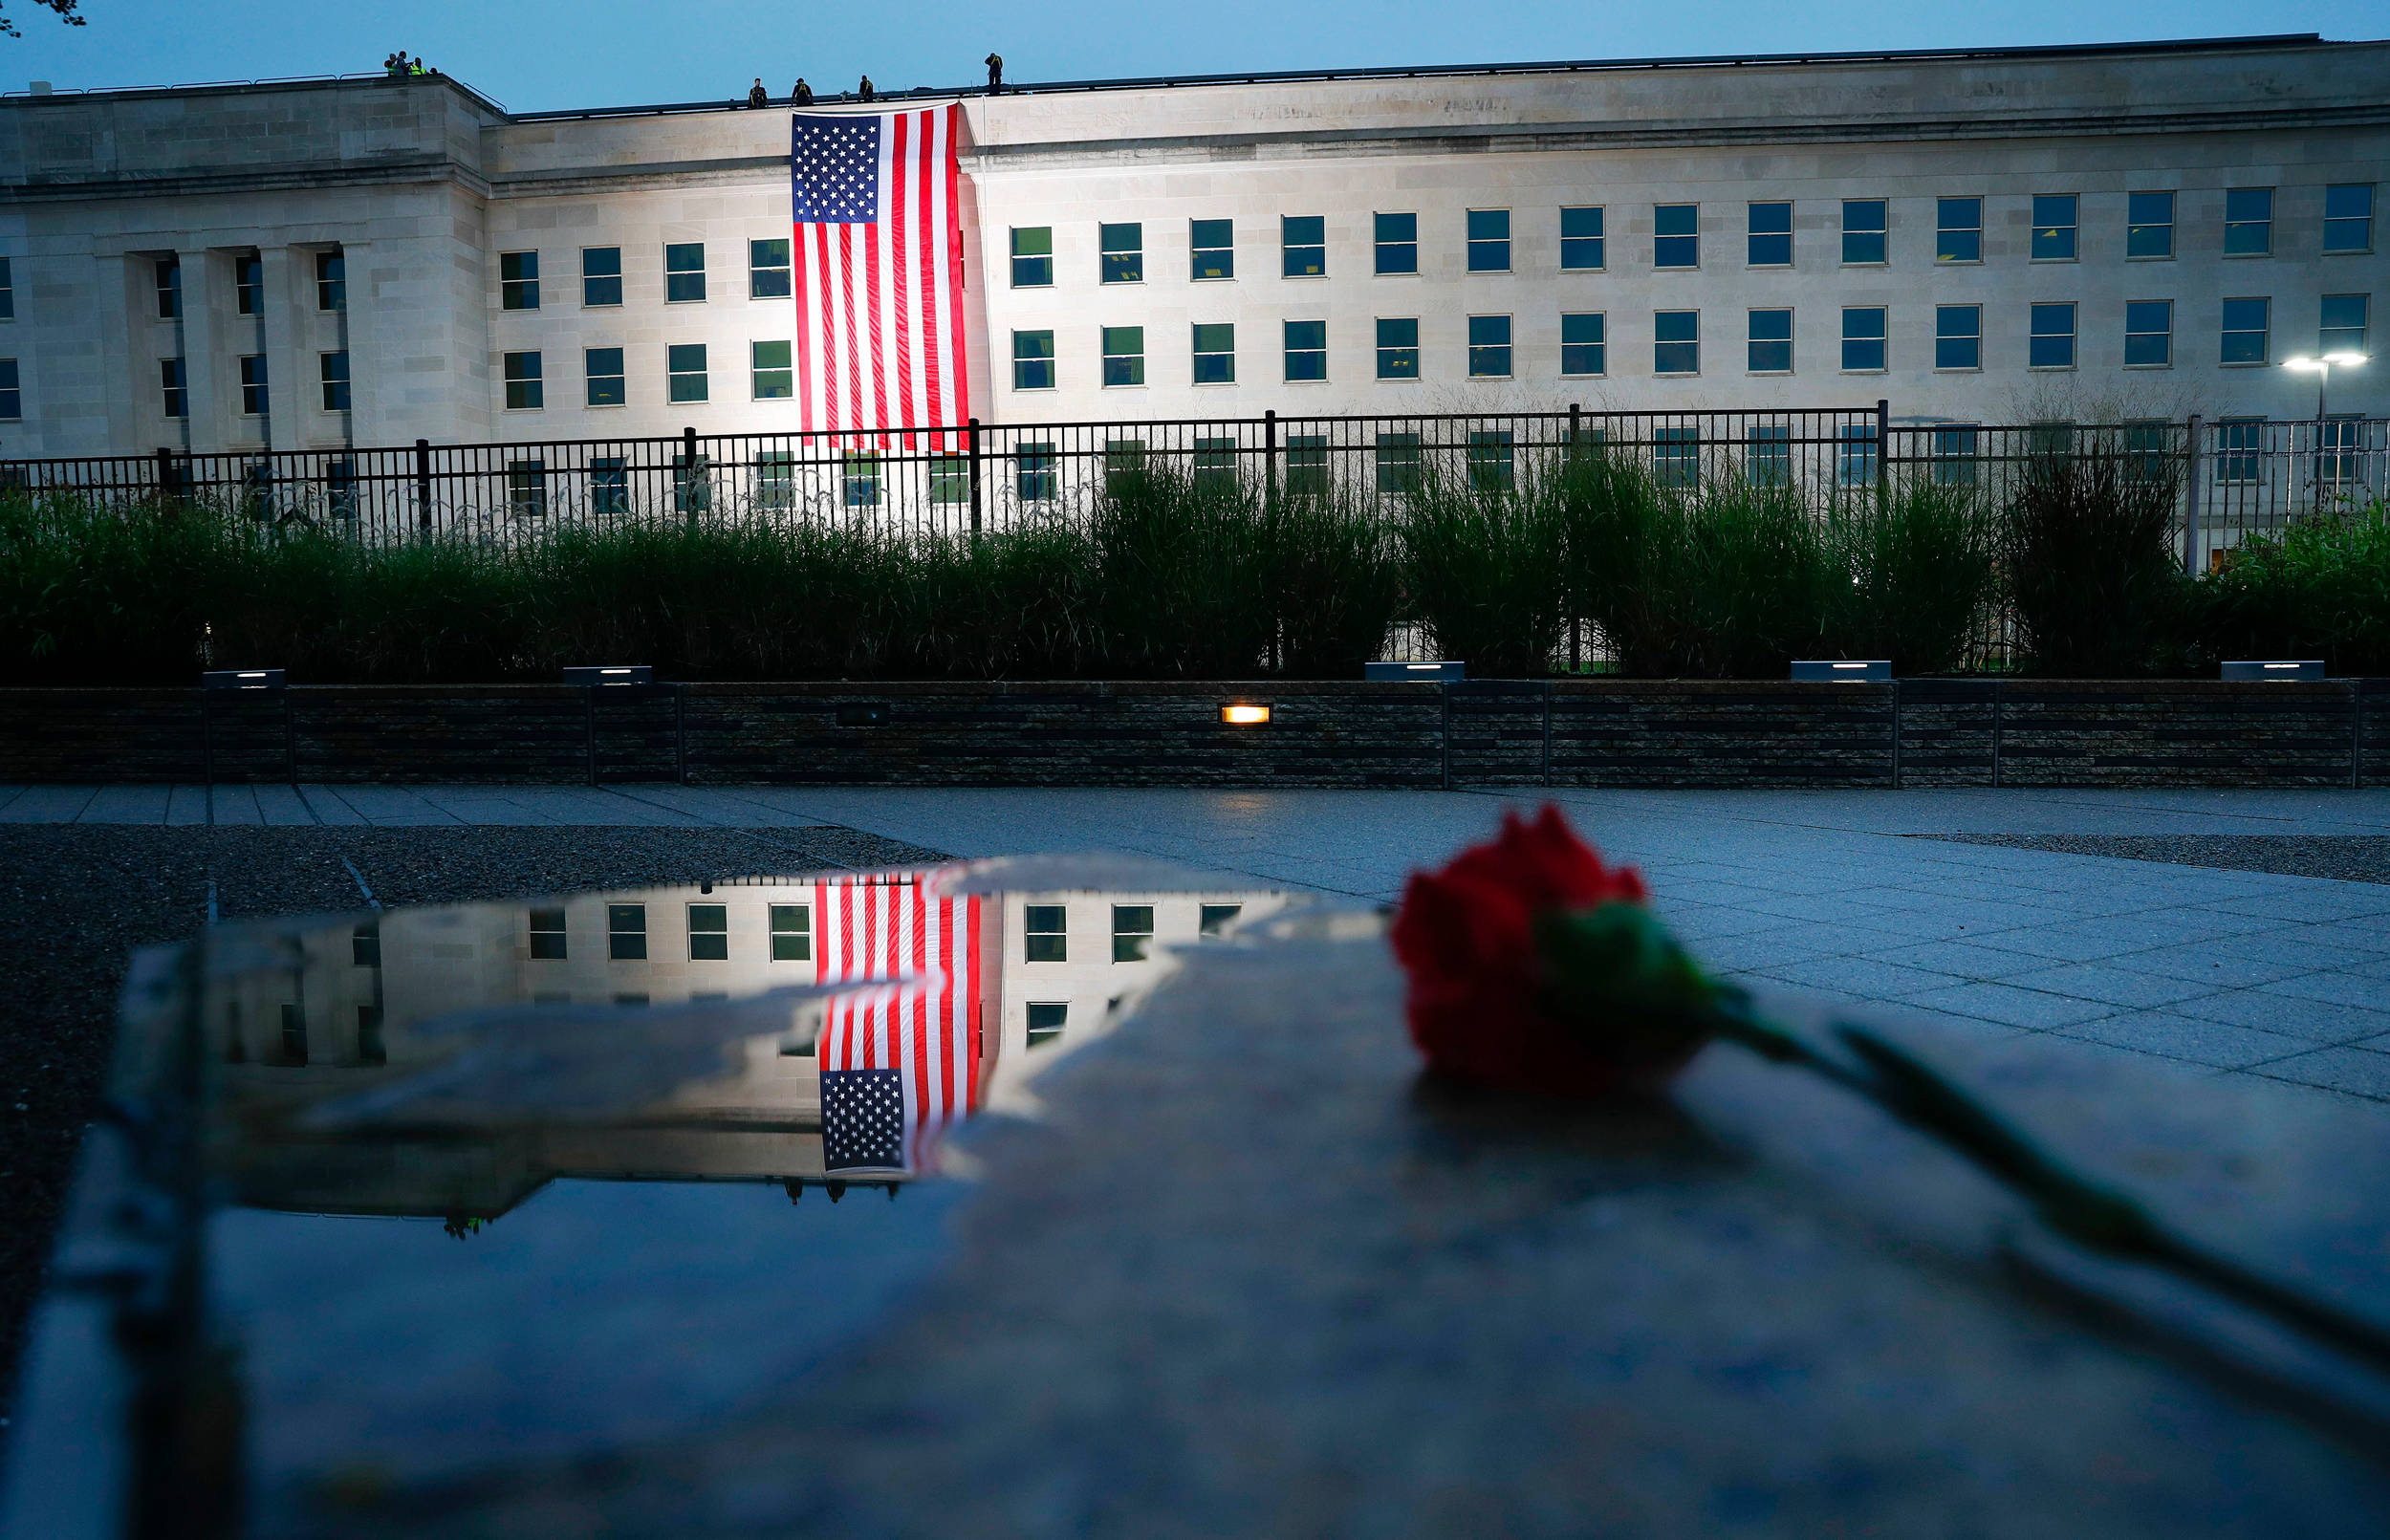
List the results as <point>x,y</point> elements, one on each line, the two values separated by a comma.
<point>2234,972</point>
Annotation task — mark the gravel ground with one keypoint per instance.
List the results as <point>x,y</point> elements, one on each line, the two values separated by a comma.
<point>76,900</point>
<point>2346,858</point>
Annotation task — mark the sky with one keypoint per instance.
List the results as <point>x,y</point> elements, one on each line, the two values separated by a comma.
<point>532,55</point>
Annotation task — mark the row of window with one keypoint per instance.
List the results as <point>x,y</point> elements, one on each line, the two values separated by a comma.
<point>1045,926</point>
<point>332,370</point>
<point>768,274</point>
<point>1676,240</point>
<point>249,284</point>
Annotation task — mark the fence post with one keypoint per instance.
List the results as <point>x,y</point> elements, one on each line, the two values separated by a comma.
<point>2193,460</point>
<point>1883,447</point>
<point>166,476</point>
<point>423,483</point>
<point>1269,517</point>
<point>974,444</point>
<point>688,478</point>
<point>1576,623</point>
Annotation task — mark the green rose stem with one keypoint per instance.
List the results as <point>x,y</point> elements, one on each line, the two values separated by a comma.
<point>1614,971</point>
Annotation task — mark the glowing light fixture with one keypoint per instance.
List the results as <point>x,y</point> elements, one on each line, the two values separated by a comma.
<point>1244,716</point>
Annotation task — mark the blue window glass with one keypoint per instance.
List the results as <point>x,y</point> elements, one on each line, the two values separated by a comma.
<point>1212,248</point>
<point>1865,328</point>
<point>1490,347</point>
<point>1397,348</point>
<point>1032,257</point>
<point>1580,240</point>
<point>2051,341</point>
<point>1676,345</point>
<point>1769,351</point>
<point>1124,355</point>
<point>1489,240</point>
<point>2245,323</point>
<point>2053,227</point>
<point>1123,253</point>
<point>1033,361</point>
<point>1676,236</point>
<point>2348,217</point>
<point>1397,241</point>
<point>1215,353</point>
<point>1584,344</point>
<point>1769,243</point>
<point>1866,222</point>
<point>1958,336</point>
<point>1305,350</point>
<point>1303,246</point>
<point>2249,222</point>
<point>2148,333</point>
<point>2149,224</point>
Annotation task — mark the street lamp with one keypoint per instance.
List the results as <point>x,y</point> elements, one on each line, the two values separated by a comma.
<point>2321,368</point>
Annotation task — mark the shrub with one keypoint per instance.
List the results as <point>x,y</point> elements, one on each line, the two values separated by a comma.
<point>1338,581</point>
<point>1181,574</point>
<point>1482,569</point>
<point>2088,545</point>
<point>2320,587</point>
<point>1916,574</point>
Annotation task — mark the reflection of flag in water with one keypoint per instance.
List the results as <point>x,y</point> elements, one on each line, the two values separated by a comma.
<point>898,1063</point>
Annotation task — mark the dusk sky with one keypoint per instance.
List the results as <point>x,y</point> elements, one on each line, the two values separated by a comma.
<point>543,54</point>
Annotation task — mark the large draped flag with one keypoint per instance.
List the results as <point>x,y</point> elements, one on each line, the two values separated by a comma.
<point>879,271</point>
<point>898,1061</point>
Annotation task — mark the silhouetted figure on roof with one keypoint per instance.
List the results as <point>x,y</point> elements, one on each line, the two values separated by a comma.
<point>803,94</point>
<point>995,75</point>
<point>836,1189</point>
<point>756,96</point>
<point>864,91</point>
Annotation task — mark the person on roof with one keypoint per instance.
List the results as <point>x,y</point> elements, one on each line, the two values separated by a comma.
<point>756,95</point>
<point>863,92</point>
<point>995,74</point>
<point>803,94</point>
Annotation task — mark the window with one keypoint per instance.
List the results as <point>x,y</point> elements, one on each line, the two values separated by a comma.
<point>859,479</point>
<point>1212,248</point>
<point>518,280</point>
<point>2148,333</point>
<point>248,285</point>
<point>1958,336</point>
<point>626,932</point>
<point>609,485</point>
<point>1033,361</point>
<point>1215,462</point>
<point>1123,253</point>
<point>771,375</point>
<point>1132,932</point>
<point>1124,355</point>
<point>1583,343</point>
<point>11,392</point>
<point>1215,353</point>
<point>601,275</point>
<point>1489,240</point>
<point>1033,256</point>
<point>2249,222</point>
<point>708,933</point>
<point>950,478</point>
<point>1044,939</point>
<point>2246,322</point>
<point>1306,351</point>
<point>2054,226</point>
<point>1490,347</point>
<point>1769,241</point>
<point>369,1048</point>
<point>1676,456</point>
<point>1772,454</point>
<point>1864,329</point>
<point>1580,240</point>
<point>365,944</point>
<point>293,1038</point>
<point>684,272</point>
<point>1307,464</point>
<point>169,275</point>
<point>1397,241</point>
<point>7,291</point>
<point>526,489</point>
<point>1035,476</point>
<point>692,484</point>
<point>2050,342</point>
<point>1864,223</point>
<point>1397,349</point>
<point>768,270</point>
<point>524,392</point>
<point>1676,236</point>
<point>1398,462</point>
<point>253,384</point>
<point>1303,246</point>
<point>331,281</point>
<point>1122,457</point>
<point>1954,455</point>
<point>775,478</point>
<point>1855,454</point>
<point>1046,1020</point>
<point>1769,351</point>
<point>684,372</point>
<point>1490,462</point>
<point>1958,230</point>
<point>2149,226</point>
<point>2348,219</point>
<point>331,369</point>
<point>792,933</point>
<point>2342,327</point>
<point>2339,457</point>
<point>603,367</point>
<point>173,383</point>
<point>1676,342</point>
<point>2148,448</point>
<point>2241,443</point>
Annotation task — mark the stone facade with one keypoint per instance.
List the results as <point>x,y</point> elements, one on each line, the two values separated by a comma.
<point>421,188</point>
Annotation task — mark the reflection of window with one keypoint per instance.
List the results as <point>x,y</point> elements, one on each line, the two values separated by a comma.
<point>1584,347</point>
<point>2148,445</point>
<point>1580,240</point>
<point>1123,253</point>
<point>293,1038</point>
<point>692,484</point>
<point>1213,248</point>
<point>1958,230</point>
<point>1046,1019</point>
<point>792,933</point>
<point>369,1048</point>
<point>1864,229</point>
<point>2337,448</point>
<point>1398,462</point>
<point>1772,454</point>
<point>626,932</point>
<point>547,929</point>
<point>1132,932</point>
<point>2149,224</point>
<point>708,933</point>
<point>2148,333</point>
<point>1044,939</point>
<point>340,488</point>
<point>1490,465</point>
<point>1215,918</point>
<point>2249,222</point>
<point>1122,457</point>
<point>1307,464</point>
<point>1397,349</point>
<point>1034,477</point>
<point>518,280</point>
<point>365,944</point>
<point>775,478</point>
<point>1032,257</point>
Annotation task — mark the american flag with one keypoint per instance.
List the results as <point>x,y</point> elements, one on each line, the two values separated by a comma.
<point>898,1063</point>
<point>879,273</point>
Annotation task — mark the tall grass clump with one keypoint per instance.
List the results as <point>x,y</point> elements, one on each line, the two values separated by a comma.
<point>2320,588</point>
<point>1915,575</point>
<point>1339,580</point>
<point>1181,574</point>
<point>2088,548</point>
<point>1482,567</point>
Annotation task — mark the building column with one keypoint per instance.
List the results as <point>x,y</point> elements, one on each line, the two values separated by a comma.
<point>292,385</point>
<point>357,335</point>
<point>206,364</point>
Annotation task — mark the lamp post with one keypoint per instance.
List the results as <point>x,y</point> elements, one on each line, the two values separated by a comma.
<point>2321,367</point>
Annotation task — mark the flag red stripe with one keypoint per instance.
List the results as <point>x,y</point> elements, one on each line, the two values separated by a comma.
<point>899,255</point>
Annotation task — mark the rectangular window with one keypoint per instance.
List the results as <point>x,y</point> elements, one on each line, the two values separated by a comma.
<point>1036,477</point>
<point>1958,336</point>
<point>792,933</point>
<point>1492,464</point>
<point>2054,226</point>
<point>768,270</point>
<point>775,478</point>
<point>1769,348</point>
<point>1212,248</point>
<point>2241,443</point>
<point>1303,246</point>
<point>609,485</point>
<point>11,392</point>
<point>1772,454</point>
<point>1215,354</point>
<point>1123,253</point>
<point>772,375</point>
<point>1676,342</point>
<point>333,372</point>
<point>1132,932</point>
<point>684,272</point>
<point>1033,256</point>
<point>2148,333</point>
<point>525,390</point>
<point>684,372</point>
<point>526,489</point>
<point>1045,934</point>
<point>1866,223</point>
<point>950,479</point>
<point>1580,240</point>
<point>293,1038</point>
<point>1215,462</point>
<point>1958,230</point>
<point>1122,457</point>
<point>248,285</point>
<point>1769,242</point>
<point>1046,1021</point>
<point>170,274</point>
<point>2149,226</point>
<point>1307,464</point>
<point>1396,238</point>
<point>2342,323</point>
<point>2348,217</point>
<point>1398,462</point>
<point>331,281</point>
<point>603,367</point>
<point>1490,347</point>
<point>253,384</point>
<point>1489,240</point>
<point>859,479</point>
<point>601,275</point>
<point>1397,348</point>
<point>1124,355</point>
<point>1954,455</point>
<point>518,280</point>
<point>2249,222</point>
<point>7,291</point>
<point>1306,351</point>
<point>1584,343</point>
<point>173,380</point>
<point>1865,330</point>
<point>547,935</point>
<point>2245,323</point>
<point>365,944</point>
<point>1855,454</point>
<point>2050,342</point>
<point>708,933</point>
<point>1033,361</point>
<point>692,484</point>
<point>1676,456</point>
<point>1676,236</point>
<point>626,932</point>
<point>2148,448</point>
